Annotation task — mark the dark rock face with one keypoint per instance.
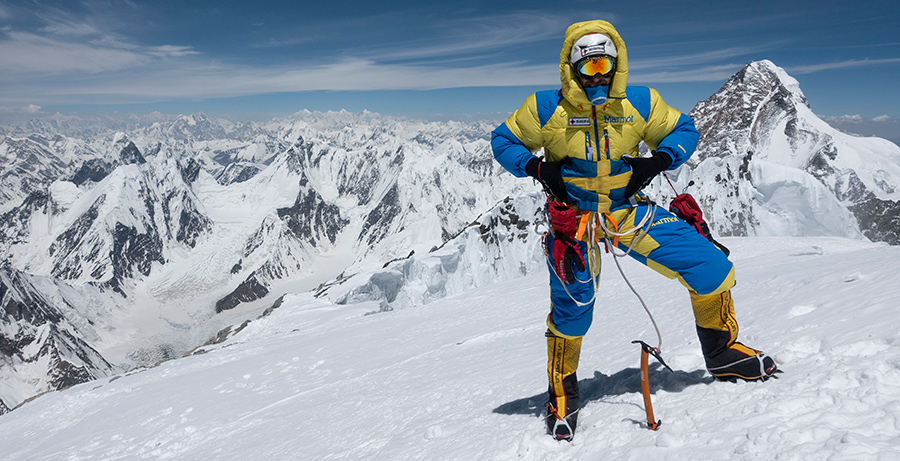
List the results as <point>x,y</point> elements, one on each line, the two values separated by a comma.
<point>190,169</point>
<point>311,218</point>
<point>879,219</point>
<point>237,172</point>
<point>29,164</point>
<point>378,222</point>
<point>39,337</point>
<point>93,170</point>
<point>68,261</point>
<point>249,290</point>
<point>14,223</point>
<point>130,155</point>
<point>133,250</point>
<point>191,225</point>
<point>505,224</point>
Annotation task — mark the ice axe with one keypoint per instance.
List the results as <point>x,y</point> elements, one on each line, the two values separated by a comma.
<point>646,352</point>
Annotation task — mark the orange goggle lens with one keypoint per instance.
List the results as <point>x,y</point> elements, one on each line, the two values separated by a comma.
<point>589,67</point>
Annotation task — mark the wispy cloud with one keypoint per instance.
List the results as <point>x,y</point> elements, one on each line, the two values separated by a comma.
<point>688,60</point>
<point>226,81</point>
<point>475,36</point>
<point>72,44</point>
<point>707,73</point>
<point>26,54</point>
<point>90,57</point>
<point>710,66</point>
<point>812,68</point>
<point>107,67</point>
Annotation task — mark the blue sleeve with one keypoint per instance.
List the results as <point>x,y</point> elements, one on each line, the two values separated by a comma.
<point>513,152</point>
<point>681,142</point>
<point>509,151</point>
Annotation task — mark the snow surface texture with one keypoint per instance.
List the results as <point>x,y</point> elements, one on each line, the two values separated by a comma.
<point>464,377</point>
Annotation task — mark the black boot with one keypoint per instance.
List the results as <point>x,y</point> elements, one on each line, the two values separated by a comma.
<point>729,362</point>
<point>561,424</point>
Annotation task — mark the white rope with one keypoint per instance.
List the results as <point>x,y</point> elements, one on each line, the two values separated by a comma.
<point>595,280</point>
<point>592,278</point>
<point>609,244</point>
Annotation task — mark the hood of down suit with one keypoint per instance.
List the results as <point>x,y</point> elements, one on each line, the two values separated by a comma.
<point>571,88</point>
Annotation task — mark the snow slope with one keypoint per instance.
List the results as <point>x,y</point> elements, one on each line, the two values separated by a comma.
<point>463,377</point>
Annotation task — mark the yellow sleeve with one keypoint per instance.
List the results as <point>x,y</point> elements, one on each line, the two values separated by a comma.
<point>663,119</point>
<point>525,125</point>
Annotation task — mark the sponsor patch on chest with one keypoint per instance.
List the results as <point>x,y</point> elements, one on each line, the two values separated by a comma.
<point>579,121</point>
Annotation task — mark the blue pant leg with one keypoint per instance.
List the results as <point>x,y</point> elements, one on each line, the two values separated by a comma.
<point>569,317</point>
<point>703,266</point>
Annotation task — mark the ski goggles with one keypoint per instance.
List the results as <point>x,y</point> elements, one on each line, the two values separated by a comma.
<point>596,65</point>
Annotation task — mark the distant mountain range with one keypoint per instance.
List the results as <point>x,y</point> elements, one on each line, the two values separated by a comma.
<point>130,241</point>
<point>884,126</point>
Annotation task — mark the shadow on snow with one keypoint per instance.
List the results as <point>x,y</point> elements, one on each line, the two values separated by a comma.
<point>601,385</point>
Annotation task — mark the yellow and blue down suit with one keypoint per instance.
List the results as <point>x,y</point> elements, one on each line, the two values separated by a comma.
<point>595,138</point>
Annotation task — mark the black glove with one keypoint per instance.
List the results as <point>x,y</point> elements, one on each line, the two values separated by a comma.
<point>645,169</point>
<point>547,173</point>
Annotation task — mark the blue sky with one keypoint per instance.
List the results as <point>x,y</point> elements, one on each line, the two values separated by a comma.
<point>403,57</point>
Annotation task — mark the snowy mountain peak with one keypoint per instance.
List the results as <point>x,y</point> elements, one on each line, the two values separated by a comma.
<point>123,151</point>
<point>765,73</point>
<point>778,168</point>
<point>741,114</point>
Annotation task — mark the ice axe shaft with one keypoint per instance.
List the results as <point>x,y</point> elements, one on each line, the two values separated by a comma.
<point>646,351</point>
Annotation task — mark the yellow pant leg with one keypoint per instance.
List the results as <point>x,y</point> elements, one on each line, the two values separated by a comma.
<point>715,312</point>
<point>562,362</point>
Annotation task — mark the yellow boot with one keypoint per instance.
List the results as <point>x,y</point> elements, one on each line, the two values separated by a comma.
<point>717,328</point>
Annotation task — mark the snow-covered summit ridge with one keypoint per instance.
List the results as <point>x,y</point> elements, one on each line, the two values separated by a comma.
<point>464,378</point>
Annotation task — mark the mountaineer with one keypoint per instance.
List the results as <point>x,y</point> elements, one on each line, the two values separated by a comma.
<point>590,131</point>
